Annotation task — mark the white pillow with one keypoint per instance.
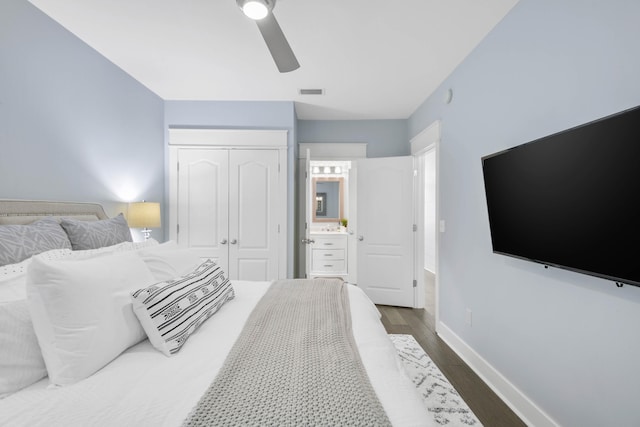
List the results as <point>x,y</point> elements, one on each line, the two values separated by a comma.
<point>171,311</point>
<point>13,277</point>
<point>81,311</point>
<point>21,362</point>
<point>167,260</point>
<point>108,250</point>
<point>13,284</point>
<point>145,243</point>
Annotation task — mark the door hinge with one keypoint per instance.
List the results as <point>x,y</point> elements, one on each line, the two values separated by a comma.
<point>415,227</point>
<point>177,228</point>
<point>278,228</point>
<point>178,166</point>
<point>415,172</point>
<point>415,283</point>
<point>278,167</point>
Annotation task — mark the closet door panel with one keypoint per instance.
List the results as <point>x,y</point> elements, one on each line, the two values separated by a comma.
<point>203,192</point>
<point>253,222</point>
<point>253,269</point>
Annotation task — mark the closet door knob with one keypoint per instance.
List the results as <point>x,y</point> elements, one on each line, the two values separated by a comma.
<point>233,241</point>
<point>361,238</point>
<point>223,241</point>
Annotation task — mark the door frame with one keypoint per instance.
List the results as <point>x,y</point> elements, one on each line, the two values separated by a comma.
<point>326,151</point>
<point>426,140</point>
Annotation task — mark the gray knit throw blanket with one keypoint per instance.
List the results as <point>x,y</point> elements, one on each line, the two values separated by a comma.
<point>294,364</point>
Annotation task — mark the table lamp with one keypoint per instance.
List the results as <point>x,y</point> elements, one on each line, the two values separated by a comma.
<point>144,215</point>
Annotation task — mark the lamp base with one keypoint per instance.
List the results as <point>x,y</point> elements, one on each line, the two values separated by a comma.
<point>147,233</point>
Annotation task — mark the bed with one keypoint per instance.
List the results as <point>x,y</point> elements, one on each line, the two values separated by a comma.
<point>133,376</point>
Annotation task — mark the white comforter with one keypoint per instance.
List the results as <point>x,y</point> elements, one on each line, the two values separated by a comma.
<point>142,387</point>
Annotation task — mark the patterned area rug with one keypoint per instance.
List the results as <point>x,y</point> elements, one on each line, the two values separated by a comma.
<point>442,400</point>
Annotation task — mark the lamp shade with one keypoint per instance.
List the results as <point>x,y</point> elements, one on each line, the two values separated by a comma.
<point>144,215</point>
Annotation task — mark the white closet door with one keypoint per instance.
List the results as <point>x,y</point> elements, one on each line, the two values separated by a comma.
<point>253,214</point>
<point>203,211</point>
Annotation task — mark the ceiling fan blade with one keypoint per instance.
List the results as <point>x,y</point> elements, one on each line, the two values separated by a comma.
<point>277,43</point>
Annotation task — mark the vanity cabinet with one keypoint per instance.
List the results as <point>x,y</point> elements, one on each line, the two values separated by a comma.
<point>329,255</point>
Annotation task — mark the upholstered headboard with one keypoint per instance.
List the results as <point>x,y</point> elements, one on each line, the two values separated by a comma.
<point>28,211</point>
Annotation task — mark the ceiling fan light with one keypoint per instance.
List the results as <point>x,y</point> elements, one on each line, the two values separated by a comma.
<point>255,9</point>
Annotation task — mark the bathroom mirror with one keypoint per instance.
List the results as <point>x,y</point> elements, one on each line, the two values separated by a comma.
<point>328,199</point>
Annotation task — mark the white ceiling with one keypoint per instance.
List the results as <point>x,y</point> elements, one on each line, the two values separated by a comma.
<point>375,59</point>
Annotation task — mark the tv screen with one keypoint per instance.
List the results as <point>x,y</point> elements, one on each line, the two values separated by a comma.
<point>570,200</point>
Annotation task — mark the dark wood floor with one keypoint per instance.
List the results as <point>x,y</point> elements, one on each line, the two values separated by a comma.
<point>490,410</point>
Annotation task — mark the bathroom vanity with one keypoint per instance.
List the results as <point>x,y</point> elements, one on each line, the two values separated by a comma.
<point>329,254</point>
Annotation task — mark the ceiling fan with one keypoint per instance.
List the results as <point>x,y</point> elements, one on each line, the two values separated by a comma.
<point>261,11</point>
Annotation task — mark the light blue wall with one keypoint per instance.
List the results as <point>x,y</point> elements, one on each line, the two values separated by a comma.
<point>384,138</point>
<point>570,342</point>
<point>231,114</point>
<point>241,115</point>
<point>73,126</point>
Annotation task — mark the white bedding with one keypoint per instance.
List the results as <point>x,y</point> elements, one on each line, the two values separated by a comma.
<point>142,387</point>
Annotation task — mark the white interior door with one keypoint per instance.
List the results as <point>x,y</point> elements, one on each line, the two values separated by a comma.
<point>385,230</point>
<point>253,214</point>
<point>203,186</point>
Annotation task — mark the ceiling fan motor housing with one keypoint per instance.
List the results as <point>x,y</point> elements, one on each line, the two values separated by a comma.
<point>270,4</point>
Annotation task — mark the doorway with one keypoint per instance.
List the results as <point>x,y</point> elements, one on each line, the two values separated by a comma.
<point>425,141</point>
<point>428,164</point>
<point>424,147</point>
<point>327,152</point>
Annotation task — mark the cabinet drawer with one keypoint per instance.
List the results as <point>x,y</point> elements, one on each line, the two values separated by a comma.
<point>328,254</point>
<point>328,266</point>
<point>330,242</point>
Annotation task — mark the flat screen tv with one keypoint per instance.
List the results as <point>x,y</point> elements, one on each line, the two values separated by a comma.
<point>572,199</point>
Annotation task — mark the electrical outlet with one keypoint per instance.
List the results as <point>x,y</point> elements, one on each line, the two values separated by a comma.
<point>442,225</point>
<point>468,317</point>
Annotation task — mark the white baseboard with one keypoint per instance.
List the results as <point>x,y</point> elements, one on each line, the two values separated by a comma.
<point>527,410</point>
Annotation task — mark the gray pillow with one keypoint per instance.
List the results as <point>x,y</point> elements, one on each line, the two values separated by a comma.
<point>19,242</point>
<point>96,234</point>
